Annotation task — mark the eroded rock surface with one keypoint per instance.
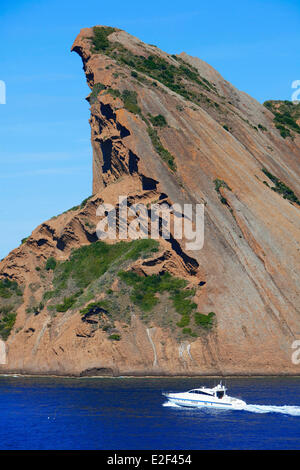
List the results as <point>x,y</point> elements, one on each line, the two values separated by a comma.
<point>171,128</point>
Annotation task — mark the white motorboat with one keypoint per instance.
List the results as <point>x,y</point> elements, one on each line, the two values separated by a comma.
<point>209,397</point>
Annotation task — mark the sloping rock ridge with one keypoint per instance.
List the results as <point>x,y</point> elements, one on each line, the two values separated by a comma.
<point>165,129</point>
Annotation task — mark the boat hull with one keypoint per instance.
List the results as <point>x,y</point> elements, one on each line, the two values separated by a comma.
<point>210,403</point>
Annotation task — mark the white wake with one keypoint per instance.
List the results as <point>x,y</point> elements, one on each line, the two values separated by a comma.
<point>291,410</point>
<point>284,409</point>
<point>172,405</point>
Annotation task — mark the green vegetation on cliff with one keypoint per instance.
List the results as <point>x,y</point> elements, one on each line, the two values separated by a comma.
<point>95,91</point>
<point>206,321</point>
<point>130,101</point>
<point>50,264</point>
<point>286,113</point>
<point>158,121</point>
<point>221,184</point>
<point>9,288</point>
<point>145,292</point>
<point>160,149</point>
<point>86,265</point>
<point>68,302</point>
<point>145,288</point>
<point>100,41</point>
<point>94,307</point>
<point>84,282</point>
<point>128,97</point>
<point>92,261</point>
<point>176,77</point>
<point>7,321</point>
<point>281,188</point>
<point>114,337</point>
<point>10,299</point>
<point>131,104</point>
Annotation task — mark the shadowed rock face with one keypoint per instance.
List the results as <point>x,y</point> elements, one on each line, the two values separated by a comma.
<point>171,128</point>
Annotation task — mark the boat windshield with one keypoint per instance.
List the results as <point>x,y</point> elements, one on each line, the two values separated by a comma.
<point>220,394</point>
<point>200,392</point>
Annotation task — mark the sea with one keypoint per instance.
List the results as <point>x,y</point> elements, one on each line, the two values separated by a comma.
<point>131,414</point>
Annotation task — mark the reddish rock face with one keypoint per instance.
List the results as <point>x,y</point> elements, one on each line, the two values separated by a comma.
<point>170,127</point>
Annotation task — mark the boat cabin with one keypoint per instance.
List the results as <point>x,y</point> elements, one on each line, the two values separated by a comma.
<point>218,391</point>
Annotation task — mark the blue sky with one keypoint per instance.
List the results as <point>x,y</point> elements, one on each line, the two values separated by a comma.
<point>45,152</point>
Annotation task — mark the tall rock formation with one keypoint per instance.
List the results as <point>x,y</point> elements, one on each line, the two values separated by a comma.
<point>166,128</point>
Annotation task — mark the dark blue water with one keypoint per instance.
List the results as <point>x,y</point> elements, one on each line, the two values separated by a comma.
<point>50,413</point>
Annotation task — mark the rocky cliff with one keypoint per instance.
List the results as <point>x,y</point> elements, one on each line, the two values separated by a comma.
<point>165,129</point>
